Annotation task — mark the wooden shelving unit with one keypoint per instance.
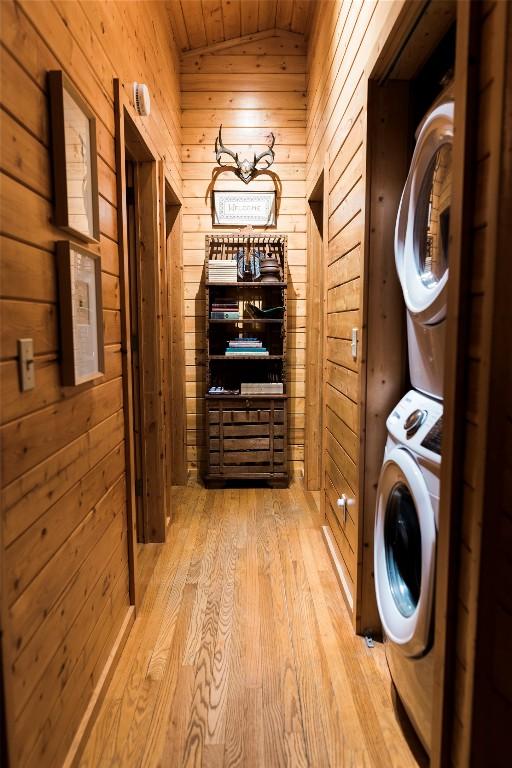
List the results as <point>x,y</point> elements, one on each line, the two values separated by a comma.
<point>246,435</point>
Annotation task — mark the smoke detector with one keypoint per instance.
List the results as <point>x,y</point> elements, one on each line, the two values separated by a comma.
<point>141,99</point>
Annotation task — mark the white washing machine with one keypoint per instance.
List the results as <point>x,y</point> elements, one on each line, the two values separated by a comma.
<point>406,524</point>
<point>421,247</point>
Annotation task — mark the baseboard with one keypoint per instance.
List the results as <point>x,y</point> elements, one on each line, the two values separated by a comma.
<point>87,722</point>
<point>339,568</point>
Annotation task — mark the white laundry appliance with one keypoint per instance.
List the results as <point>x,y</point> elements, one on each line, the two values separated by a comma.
<point>406,524</point>
<point>421,247</point>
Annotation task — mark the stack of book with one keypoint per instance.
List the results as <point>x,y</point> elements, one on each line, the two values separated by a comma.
<point>261,388</point>
<point>246,346</point>
<point>222,391</point>
<point>225,309</point>
<point>222,271</point>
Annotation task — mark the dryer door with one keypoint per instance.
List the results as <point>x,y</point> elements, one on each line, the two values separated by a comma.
<point>404,553</point>
<point>421,233</point>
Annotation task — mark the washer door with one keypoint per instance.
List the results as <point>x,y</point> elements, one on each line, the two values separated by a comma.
<point>404,553</point>
<point>422,226</point>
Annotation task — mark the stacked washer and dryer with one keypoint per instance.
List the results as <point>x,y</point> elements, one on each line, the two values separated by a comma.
<point>406,521</point>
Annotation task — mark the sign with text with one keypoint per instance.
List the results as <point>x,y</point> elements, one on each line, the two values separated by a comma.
<point>235,209</point>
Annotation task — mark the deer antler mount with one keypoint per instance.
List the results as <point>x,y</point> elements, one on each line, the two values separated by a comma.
<point>245,169</point>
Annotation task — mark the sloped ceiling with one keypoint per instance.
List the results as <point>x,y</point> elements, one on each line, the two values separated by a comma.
<point>200,23</point>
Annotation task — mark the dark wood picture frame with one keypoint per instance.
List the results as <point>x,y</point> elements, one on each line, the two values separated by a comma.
<point>58,84</point>
<point>69,351</point>
<point>232,223</point>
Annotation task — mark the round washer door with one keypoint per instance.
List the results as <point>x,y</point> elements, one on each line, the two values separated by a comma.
<point>422,225</point>
<point>404,553</point>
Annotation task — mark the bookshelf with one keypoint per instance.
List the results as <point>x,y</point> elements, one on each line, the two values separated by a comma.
<point>246,339</point>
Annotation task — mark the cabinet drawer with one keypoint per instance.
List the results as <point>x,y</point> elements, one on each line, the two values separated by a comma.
<point>262,429</point>
<point>246,444</point>
<point>246,416</point>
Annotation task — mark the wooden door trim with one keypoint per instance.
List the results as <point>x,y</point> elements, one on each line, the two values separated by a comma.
<point>495,397</point>
<point>126,354</point>
<point>457,323</point>
<point>449,532</point>
<point>155,517</point>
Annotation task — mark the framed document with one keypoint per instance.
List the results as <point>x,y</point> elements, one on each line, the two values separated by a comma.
<point>75,168</point>
<point>236,209</point>
<point>81,316</point>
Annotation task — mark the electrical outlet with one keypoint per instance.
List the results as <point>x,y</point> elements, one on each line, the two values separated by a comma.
<point>26,364</point>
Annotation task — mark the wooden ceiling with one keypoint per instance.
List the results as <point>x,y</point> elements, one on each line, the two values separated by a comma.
<point>200,23</point>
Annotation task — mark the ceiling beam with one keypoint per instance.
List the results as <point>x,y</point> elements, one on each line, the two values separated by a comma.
<point>243,39</point>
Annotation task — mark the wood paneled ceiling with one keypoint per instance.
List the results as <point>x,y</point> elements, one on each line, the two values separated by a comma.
<point>200,23</point>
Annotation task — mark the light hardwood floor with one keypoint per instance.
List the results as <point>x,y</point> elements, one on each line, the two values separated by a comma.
<point>243,652</point>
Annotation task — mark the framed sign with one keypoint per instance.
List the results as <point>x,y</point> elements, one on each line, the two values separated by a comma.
<point>81,315</point>
<point>236,209</point>
<point>75,169</point>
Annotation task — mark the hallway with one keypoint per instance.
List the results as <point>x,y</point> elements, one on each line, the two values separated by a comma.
<point>243,652</point>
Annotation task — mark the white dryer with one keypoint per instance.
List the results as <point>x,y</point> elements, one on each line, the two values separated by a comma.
<point>421,247</point>
<point>406,524</point>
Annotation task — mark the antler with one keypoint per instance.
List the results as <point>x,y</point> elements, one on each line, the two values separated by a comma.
<point>270,152</point>
<point>223,150</point>
<point>245,169</point>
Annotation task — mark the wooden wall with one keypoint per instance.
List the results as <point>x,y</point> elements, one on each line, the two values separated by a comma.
<point>63,476</point>
<point>251,88</point>
<point>345,40</point>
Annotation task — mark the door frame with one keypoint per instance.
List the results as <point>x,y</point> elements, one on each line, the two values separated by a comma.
<point>457,322</point>
<point>316,221</point>
<point>151,364</point>
<point>172,258</point>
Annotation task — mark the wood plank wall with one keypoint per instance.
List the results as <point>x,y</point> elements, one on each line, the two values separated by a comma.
<point>490,164</point>
<point>345,41</point>
<point>63,479</point>
<point>251,88</point>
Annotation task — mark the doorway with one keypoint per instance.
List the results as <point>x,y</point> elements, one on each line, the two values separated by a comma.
<point>146,317</point>
<point>313,453</point>
<point>143,289</point>
<point>176,400</point>
<point>133,231</point>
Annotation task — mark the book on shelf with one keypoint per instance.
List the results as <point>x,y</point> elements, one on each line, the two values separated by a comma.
<point>262,388</point>
<point>222,271</point>
<point>247,351</point>
<point>220,315</point>
<point>245,343</point>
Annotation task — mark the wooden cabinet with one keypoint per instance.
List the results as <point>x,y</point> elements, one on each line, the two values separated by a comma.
<point>247,439</point>
<point>246,434</point>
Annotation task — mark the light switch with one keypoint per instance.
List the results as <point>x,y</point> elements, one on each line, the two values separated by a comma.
<point>354,343</point>
<point>26,364</point>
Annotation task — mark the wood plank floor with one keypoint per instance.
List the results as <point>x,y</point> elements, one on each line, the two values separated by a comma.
<point>243,652</point>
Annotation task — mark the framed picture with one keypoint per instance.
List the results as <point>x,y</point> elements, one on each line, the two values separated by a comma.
<point>75,163</point>
<point>81,315</point>
<point>237,209</point>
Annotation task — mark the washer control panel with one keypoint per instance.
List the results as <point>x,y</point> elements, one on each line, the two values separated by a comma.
<point>433,439</point>
<point>417,423</point>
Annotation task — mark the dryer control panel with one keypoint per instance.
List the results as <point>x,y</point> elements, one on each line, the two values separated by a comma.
<point>417,423</point>
<point>433,439</point>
